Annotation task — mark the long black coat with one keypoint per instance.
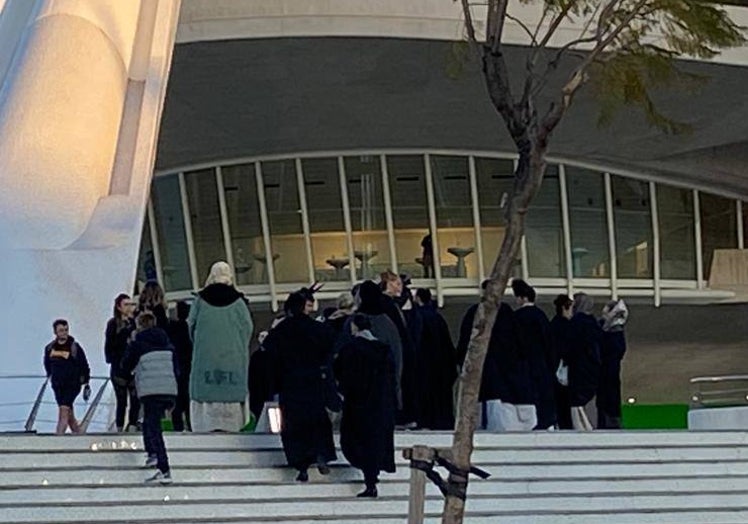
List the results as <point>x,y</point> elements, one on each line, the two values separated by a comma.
<point>561,334</point>
<point>366,377</point>
<point>408,377</point>
<point>609,389</point>
<point>584,359</point>
<point>437,371</point>
<point>534,333</point>
<point>300,351</point>
<point>506,371</point>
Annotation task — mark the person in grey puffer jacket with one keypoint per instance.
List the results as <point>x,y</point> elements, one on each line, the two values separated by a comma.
<point>150,357</point>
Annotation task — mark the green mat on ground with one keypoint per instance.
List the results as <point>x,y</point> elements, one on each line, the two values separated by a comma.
<point>655,416</point>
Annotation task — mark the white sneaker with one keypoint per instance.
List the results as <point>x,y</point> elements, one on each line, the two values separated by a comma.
<point>150,462</point>
<point>159,477</point>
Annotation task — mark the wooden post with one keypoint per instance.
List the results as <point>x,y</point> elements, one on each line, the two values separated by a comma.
<point>417,497</point>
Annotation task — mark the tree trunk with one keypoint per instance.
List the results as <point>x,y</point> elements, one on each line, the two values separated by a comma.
<point>528,176</point>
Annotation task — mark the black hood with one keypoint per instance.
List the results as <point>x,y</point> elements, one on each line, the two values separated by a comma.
<point>153,337</point>
<point>220,295</point>
<point>371,299</point>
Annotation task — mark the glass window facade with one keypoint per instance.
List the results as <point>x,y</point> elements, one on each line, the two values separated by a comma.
<point>590,251</point>
<point>284,216</point>
<point>326,224</point>
<point>409,211</point>
<point>544,232</point>
<point>322,251</point>
<point>495,179</point>
<point>454,216</point>
<point>146,259</point>
<point>675,212</point>
<point>632,216</point>
<point>245,225</point>
<point>205,217</point>
<point>719,227</point>
<point>366,199</point>
<point>172,242</point>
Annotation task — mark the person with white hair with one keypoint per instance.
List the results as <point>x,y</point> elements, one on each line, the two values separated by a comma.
<point>614,318</point>
<point>583,361</point>
<point>221,328</point>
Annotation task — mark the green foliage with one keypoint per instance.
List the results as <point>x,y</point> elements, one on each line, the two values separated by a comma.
<point>643,57</point>
<point>626,49</point>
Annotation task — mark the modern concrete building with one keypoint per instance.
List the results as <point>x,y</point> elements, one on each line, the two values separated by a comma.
<point>323,140</point>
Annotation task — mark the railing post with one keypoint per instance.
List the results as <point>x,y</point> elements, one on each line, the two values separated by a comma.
<point>417,499</point>
<point>92,408</point>
<point>32,416</point>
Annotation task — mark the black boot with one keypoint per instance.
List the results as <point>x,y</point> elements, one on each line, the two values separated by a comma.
<point>322,466</point>
<point>303,476</point>
<point>369,492</point>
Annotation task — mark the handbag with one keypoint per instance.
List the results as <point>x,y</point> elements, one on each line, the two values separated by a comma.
<point>562,374</point>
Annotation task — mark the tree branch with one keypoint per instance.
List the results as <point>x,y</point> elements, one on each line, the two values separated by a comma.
<point>469,26</point>
<point>554,25</point>
<point>579,76</point>
<point>524,27</point>
<point>495,23</point>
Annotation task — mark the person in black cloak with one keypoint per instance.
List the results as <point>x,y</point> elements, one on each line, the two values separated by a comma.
<point>392,290</point>
<point>369,302</point>
<point>300,351</point>
<point>562,343</point>
<point>506,389</point>
<point>615,315</point>
<point>437,367</point>
<point>179,333</point>
<point>365,372</point>
<point>261,377</point>
<point>534,335</point>
<point>584,361</point>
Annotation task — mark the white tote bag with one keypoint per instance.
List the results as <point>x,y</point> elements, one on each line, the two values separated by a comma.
<point>562,374</point>
<point>503,416</point>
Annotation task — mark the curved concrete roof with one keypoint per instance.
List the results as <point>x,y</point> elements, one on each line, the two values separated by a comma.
<point>237,98</point>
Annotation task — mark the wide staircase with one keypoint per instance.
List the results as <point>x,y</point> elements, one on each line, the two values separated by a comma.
<point>562,477</point>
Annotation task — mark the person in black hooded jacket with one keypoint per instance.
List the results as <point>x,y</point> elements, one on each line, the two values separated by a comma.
<point>116,337</point>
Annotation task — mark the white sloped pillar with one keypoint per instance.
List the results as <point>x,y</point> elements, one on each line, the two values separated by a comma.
<point>60,110</point>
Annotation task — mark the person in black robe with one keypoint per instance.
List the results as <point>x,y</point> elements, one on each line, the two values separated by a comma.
<point>615,315</point>
<point>392,288</point>
<point>179,334</point>
<point>365,372</point>
<point>534,333</point>
<point>506,370</point>
<point>562,343</point>
<point>584,361</point>
<point>437,367</point>
<point>300,350</point>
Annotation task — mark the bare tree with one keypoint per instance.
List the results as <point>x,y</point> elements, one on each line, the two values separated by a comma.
<point>625,49</point>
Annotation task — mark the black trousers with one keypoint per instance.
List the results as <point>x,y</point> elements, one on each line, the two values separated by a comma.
<point>154,408</point>
<point>180,416</point>
<point>123,395</point>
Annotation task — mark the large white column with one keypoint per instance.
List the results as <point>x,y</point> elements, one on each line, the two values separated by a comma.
<point>60,110</point>
<point>80,106</point>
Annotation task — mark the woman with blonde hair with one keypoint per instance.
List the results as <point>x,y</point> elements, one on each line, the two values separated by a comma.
<point>221,327</point>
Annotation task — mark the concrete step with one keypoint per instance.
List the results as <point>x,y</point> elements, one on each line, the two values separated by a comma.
<point>243,441</point>
<point>322,489</point>
<point>564,477</point>
<point>178,510</point>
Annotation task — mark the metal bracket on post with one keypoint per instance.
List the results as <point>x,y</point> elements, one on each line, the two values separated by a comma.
<point>422,461</point>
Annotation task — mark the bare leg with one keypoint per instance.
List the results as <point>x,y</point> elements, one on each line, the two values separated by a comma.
<point>62,419</point>
<point>74,426</point>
